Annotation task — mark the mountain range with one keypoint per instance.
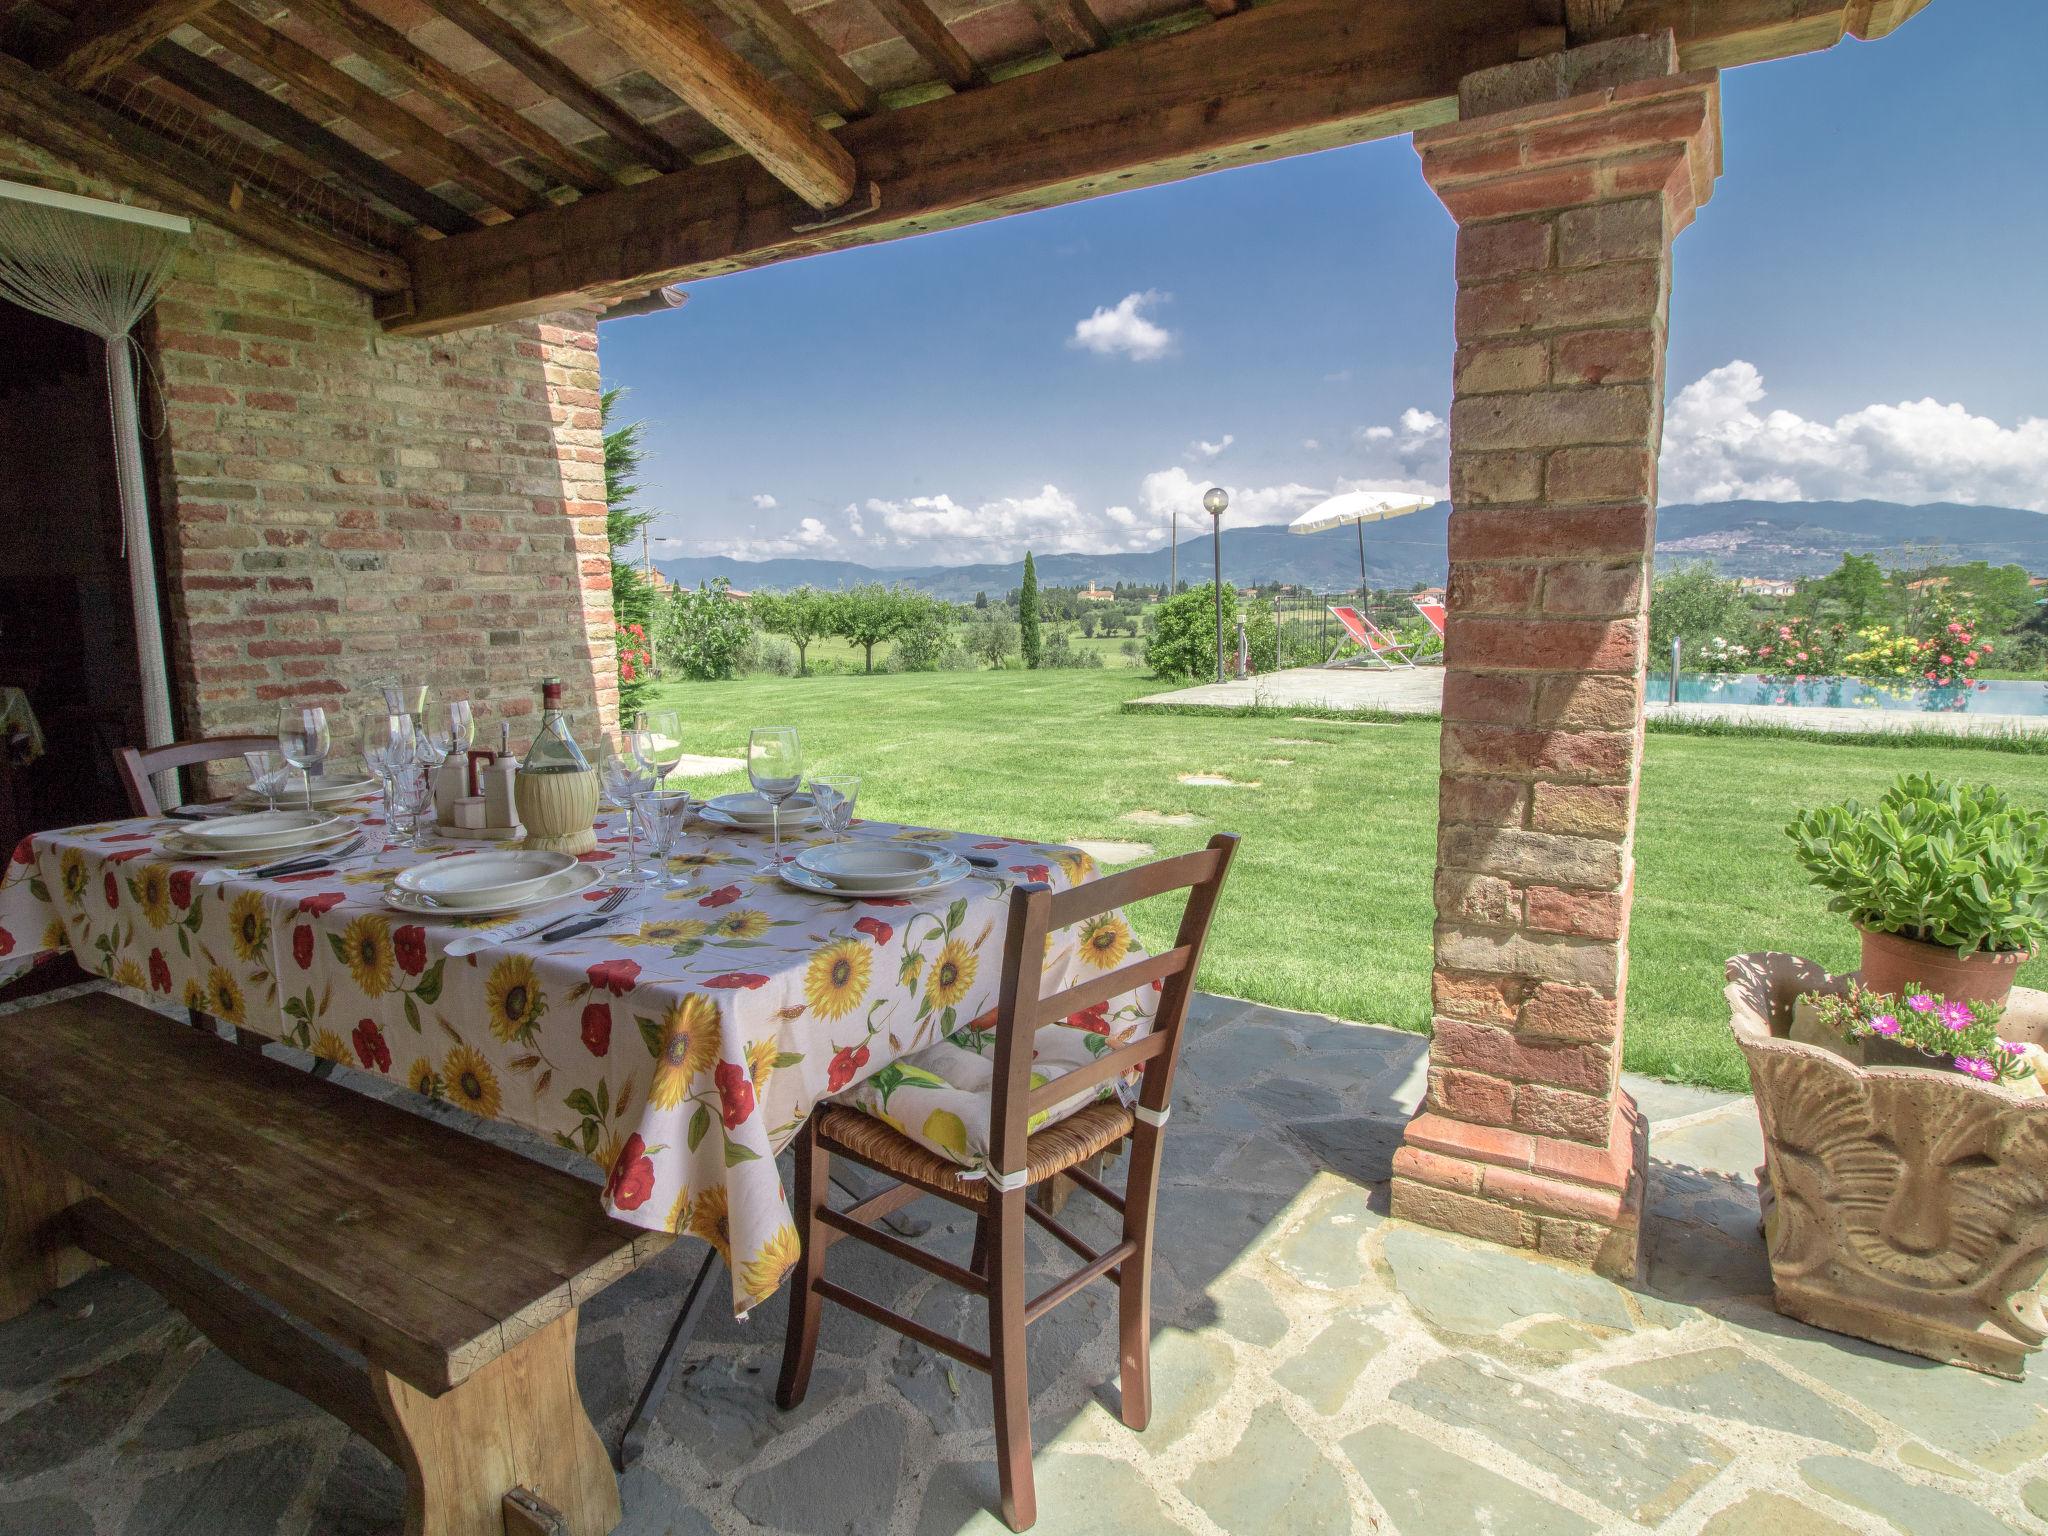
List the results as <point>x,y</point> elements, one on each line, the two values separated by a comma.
<point>1740,538</point>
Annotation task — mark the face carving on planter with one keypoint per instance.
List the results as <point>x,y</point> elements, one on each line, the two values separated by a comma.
<point>1928,1184</point>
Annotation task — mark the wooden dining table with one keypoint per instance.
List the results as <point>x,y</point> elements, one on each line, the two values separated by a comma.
<point>679,1047</point>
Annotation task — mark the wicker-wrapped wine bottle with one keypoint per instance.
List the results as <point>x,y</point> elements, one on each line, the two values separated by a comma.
<point>556,788</point>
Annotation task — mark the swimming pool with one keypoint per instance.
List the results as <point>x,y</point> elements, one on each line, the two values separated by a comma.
<point>1752,689</point>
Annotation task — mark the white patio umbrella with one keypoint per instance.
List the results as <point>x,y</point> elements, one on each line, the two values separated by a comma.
<point>1360,508</point>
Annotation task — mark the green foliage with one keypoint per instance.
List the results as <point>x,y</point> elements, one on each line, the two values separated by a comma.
<point>799,617</point>
<point>993,637</point>
<point>1956,1034</point>
<point>1061,653</point>
<point>1694,605</point>
<point>873,612</point>
<point>925,643</point>
<point>1856,591</point>
<point>704,634</point>
<point>633,597</point>
<point>1183,640</point>
<point>1029,639</point>
<point>2001,596</point>
<point>1933,860</point>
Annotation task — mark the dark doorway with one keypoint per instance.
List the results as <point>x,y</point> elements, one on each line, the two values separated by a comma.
<point>67,637</point>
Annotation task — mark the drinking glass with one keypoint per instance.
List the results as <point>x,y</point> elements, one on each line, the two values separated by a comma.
<point>835,794</point>
<point>775,767</point>
<point>392,753</point>
<point>619,781</point>
<point>656,741</point>
<point>658,816</point>
<point>266,775</point>
<point>303,740</point>
<point>446,729</point>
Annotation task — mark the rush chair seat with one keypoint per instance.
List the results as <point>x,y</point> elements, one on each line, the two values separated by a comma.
<point>1020,1159</point>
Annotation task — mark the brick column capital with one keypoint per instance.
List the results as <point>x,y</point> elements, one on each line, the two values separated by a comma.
<point>1659,133</point>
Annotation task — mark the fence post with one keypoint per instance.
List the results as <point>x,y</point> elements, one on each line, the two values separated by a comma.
<point>1677,650</point>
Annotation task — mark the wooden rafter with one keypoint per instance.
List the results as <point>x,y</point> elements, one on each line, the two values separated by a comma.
<point>242,101</point>
<point>1070,26</point>
<point>671,44</point>
<point>805,53</point>
<point>398,55</point>
<point>315,83</point>
<point>928,35</point>
<point>106,34</point>
<point>39,110</point>
<point>559,81</point>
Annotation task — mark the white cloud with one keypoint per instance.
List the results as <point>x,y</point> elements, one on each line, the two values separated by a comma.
<point>1376,434</point>
<point>763,502</point>
<point>1125,329</point>
<point>1202,448</point>
<point>1721,445</point>
<point>1341,376</point>
<point>1412,454</point>
<point>1051,522</point>
<point>1310,444</point>
<point>1165,491</point>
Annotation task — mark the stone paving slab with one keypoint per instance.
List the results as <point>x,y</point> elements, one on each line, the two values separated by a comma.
<point>1318,1368</point>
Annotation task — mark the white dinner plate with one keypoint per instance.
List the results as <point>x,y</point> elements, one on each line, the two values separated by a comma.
<point>262,831</point>
<point>573,881</point>
<point>182,845</point>
<point>804,820</point>
<point>325,791</point>
<point>870,866</point>
<point>747,809</point>
<point>468,880</point>
<point>794,874</point>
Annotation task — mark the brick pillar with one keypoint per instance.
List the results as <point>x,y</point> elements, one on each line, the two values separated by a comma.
<point>1569,176</point>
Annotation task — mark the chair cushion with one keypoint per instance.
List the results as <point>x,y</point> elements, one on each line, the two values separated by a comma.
<point>941,1097</point>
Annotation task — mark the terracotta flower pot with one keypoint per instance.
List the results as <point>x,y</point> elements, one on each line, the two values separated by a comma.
<point>1900,1202</point>
<point>1892,963</point>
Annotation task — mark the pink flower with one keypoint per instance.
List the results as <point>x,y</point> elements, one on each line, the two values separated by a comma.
<point>1920,1002</point>
<point>1885,1024</point>
<point>1955,629</point>
<point>1976,1066</point>
<point>1801,656</point>
<point>1986,647</point>
<point>1946,659</point>
<point>1930,677</point>
<point>2012,1047</point>
<point>1956,1016</point>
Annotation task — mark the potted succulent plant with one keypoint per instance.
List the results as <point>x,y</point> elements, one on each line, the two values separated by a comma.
<point>1948,884</point>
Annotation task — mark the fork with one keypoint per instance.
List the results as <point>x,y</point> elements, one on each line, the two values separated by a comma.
<point>595,918</point>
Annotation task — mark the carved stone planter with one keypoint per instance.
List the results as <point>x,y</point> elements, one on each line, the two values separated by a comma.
<point>1905,1205</point>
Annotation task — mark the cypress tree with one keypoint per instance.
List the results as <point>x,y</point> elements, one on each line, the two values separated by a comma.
<point>1027,614</point>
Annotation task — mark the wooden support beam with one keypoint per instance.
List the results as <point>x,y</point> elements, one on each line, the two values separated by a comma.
<point>35,108</point>
<point>365,173</point>
<point>1729,33</point>
<point>672,45</point>
<point>928,35</point>
<point>398,55</point>
<point>105,34</point>
<point>315,82</point>
<point>1070,26</point>
<point>1281,79</point>
<point>793,42</point>
<point>560,81</point>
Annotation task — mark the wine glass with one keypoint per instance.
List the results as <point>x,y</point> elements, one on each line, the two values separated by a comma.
<point>658,816</point>
<point>657,741</point>
<point>303,740</point>
<point>446,729</point>
<point>775,767</point>
<point>835,794</point>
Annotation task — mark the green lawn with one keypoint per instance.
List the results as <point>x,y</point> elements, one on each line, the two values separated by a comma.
<point>1329,905</point>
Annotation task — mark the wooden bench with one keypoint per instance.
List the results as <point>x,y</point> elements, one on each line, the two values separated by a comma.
<point>418,1283</point>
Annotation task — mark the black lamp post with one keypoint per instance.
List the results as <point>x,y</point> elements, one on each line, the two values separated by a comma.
<point>1215,501</point>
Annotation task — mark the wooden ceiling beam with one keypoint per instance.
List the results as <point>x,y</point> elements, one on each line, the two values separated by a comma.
<point>41,111</point>
<point>399,56</point>
<point>923,30</point>
<point>668,41</point>
<point>549,73</point>
<point>105,34</point>
<point>805,54</point>
<point>315,82</point>
<point>1070,26</point>
<point>364,173</point>
<point>1282,79</point>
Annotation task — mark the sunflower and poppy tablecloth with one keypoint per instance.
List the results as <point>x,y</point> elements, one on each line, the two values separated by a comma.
<point>679,1048</point>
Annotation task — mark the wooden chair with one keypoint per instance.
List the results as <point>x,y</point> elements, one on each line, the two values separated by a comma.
<point>138,766</point>
<point>1021,1160</point>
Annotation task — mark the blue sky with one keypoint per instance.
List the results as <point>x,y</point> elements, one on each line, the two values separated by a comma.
<point>1859,311</point>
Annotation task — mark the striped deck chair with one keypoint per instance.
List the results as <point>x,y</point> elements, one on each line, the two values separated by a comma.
<point>1378,648</point>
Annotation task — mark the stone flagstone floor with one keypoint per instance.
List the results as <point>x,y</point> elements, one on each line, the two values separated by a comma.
<point>1319,1369</point>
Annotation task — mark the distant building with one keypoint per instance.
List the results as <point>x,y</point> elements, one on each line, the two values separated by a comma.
<point>657,582</point>
<point>1766,586</point>
<point>1430,596</point>
<point>1927,584</point>
<point>1094,594</point>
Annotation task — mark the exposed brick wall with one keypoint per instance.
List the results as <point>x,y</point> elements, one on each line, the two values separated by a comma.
<point>337,503</point>
<point>1567,209</point>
